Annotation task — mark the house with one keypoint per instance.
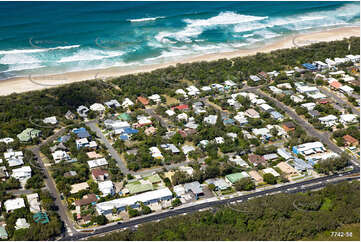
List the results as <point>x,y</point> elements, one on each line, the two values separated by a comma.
<point>252,113</point>
<point>314,113</point>
<point>204,143</point>
<point>335,85</point>
<point>81,133</point>
<point>265,107</point>
<point>170,147</point>
<point>60,155</point>
<point>211,119</point>
<point>170,112</point>
<point>70,174</point>
<point>102,162</point>
<point>187,148</point>
<point>7,140</point>
<point>308,106</point>
<point>270,170</point>
<point>82,111</point>
<point>80,143</point>
<point>93,155</point>
<point>192,91</point>
<point>346,90</point>
<point>234,177</point>
<point>116,124</point>
<point>284,85</point>
<point>256,159</point>
<point>22,173</point>
<point>78,187</point>
<point>86,200</point>
<point>329,120</point>
<point>97,107</point>
<point>350,141</point>
<point>182,116</point>
<point>309,148</point>
<point>277,116</point>
<point>264,133</point>
<point>156,153</point>
<point>106,187</point>
<point>300,165</point>
<point>309,66</point>
<point>34,204</point>
<point>155,98</point>
<point>206,88</point>
<point>181,107</point>
<point>288,126</point>
<point>255,176</point>
<point>3,173</point>
<point>316,95</point>
<point>50,120</point>
<point>179,190</point>
<point>254,78</point>
<point>219,183</point>
<point>238,161</point>
<point>112,104</point>
<point>194,187</point>
<point>21,224</point>
<point>230,84</point>
<point>28,134</point>
<point>127,103</point>
<point>69,115</point>
<point>12,204</point>
<point>150,131</point>
<point>275,90</point>
<point>143,100</point>
<point>297,98</point>
<point>181,92</point>
<point>14,158</point>
<point>219,140</point>
<point>348,118</point>
<point>99,174</point>
<point>284,153</point>
<point>320,65</point>
<point>133,201</point>
<point>353,58</point>
<point>218,87</point>
<point>273,73</point>
<point>287,169</point>
<point>270,157</point>
<point>240,118</point>
<point>233,136</point>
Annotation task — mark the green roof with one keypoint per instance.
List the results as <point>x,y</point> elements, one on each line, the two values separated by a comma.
<point>153,178</point>
<point>135,188</point>
<point>3,233</point>
<point>235,177</point>
<point>41,218</point>
<point>124,116</point>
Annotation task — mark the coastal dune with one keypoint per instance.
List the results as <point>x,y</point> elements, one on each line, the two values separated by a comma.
<point>31,83</point>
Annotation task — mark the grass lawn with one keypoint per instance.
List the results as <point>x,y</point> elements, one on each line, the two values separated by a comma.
<point>326,205</point>
<point>347,229</point>
<point>170,100</point>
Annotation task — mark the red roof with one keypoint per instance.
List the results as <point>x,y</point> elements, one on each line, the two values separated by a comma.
<point>87,199</point>
<point>99,172</point>
<point>323,101</point>
<point>256,159</point>
<point>335,84</point>
<point>349,139</point>
<point>182,107</point>
<point>143,100</point>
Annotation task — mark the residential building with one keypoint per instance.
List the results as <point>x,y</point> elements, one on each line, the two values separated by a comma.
<point>329,120</point>
<point>287,169</point>
<point>99,174</point>
<point>156,154</point>
<point>170,147</point>
<point>288,126</point>
<point>155,98</point>
<point>50,120</point>
<point>133,201</point>
<point>256,159</point>
<point>346,89</point>
<point>284,85</point>
<point>284,153</point>
<point>234,177</point>
<point>143,100</point>
<point>187,148</point>
<point>265,107</point>
<point>350,141</point>
<point>12,204</point>
<point>69,115</point>
<point>106,187</point>
<point>300,165</point>
<point>3,234</point>
<point>22,173</point>
<point>194,187</point>
<point>308,106</point>
<point>264,133</point>
<point>82,111</point>
<point>86,200</point>
<point>270,170</point>
<point>21,224</point>
<point>270,157</point>
<point>112,104</point>
<point>219,183</point>
<point>78,187</point>
<point>348,119</point>
<point>179,190</point>
<point>28,134</point>
<point>238,161</point>
<point>211,119</point>
<point>297,98</point>
<point>97,107</point>
<point>182,116</point>
<point>309,148</point>
<point>34,204</point>
<point>252,113</point>
<point>60,155</point>
<point>256,177</point>
<point>219,140</point>
<point>170,112</point>
<point>102,162</point>
<point>254,78</point>
<point>277,116</point>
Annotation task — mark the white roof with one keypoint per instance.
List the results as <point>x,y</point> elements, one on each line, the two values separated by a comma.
<point>97,162</point>
<point>106,187</point>
<point>304,89</point>
<point>219,140</point>
<point>21,224</point>
<point>285,85</point>
<point>112,102</point>
<point>22,172</point>
<point>50,120</point>
<point>187,148</point>
<point>261,131</point>
<point>182,116</point>
<point>128,201</point>
<point>270,171</point>
<point>97,107</point>
<point>170,112</point>
<point>348,118</point>
<point>187,169</point>
<point>154,97</point>
<point>211,119</point>
<point>127,102</point>
<point>266,107</point>
<point>13,204</point>
<point>310,145</point>
<point>7,140</point>
<point>346,88</point>
<point>206,88</point>
<point>179,190</point>
<point>309,106</point>
<point>328,118</point>
<point>180,91</point>
<point>78,187</point>
<point>33,200</point>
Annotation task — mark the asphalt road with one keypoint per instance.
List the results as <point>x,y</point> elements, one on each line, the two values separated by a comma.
<point>113,152</point>
<point>296,187</point>
<point>323,137</point>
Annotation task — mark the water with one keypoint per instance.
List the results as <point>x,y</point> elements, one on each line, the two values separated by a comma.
<point>56,37</point>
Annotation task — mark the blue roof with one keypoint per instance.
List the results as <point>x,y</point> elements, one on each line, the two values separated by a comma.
<point>276,115</point>
<point>309,66</point>
<point>228,121</point>
<point>123,137</point>
<point>82,129</point>
<point>83,134</point>
<point>130,131</point>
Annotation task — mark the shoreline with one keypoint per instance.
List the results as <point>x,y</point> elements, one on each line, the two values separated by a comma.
<point>25,84</point>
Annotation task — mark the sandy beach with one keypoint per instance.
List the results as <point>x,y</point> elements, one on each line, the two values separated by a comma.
<point>24,84</point>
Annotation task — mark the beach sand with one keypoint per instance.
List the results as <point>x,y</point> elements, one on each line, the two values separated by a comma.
<point>24,84</point>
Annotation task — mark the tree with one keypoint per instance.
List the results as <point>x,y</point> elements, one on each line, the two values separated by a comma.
<point>245,184</point>
<point>176,202</point>
<point>100,219</point>
<point>269,178</point>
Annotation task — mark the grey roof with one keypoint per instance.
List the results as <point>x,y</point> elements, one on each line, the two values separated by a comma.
<point>284,153</point>
<point>270,156</point>
<point>300,164</point>
<point>194,187</point>
<point>276,115</point>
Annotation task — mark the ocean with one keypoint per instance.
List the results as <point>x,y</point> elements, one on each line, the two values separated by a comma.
<point>38,38</point>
